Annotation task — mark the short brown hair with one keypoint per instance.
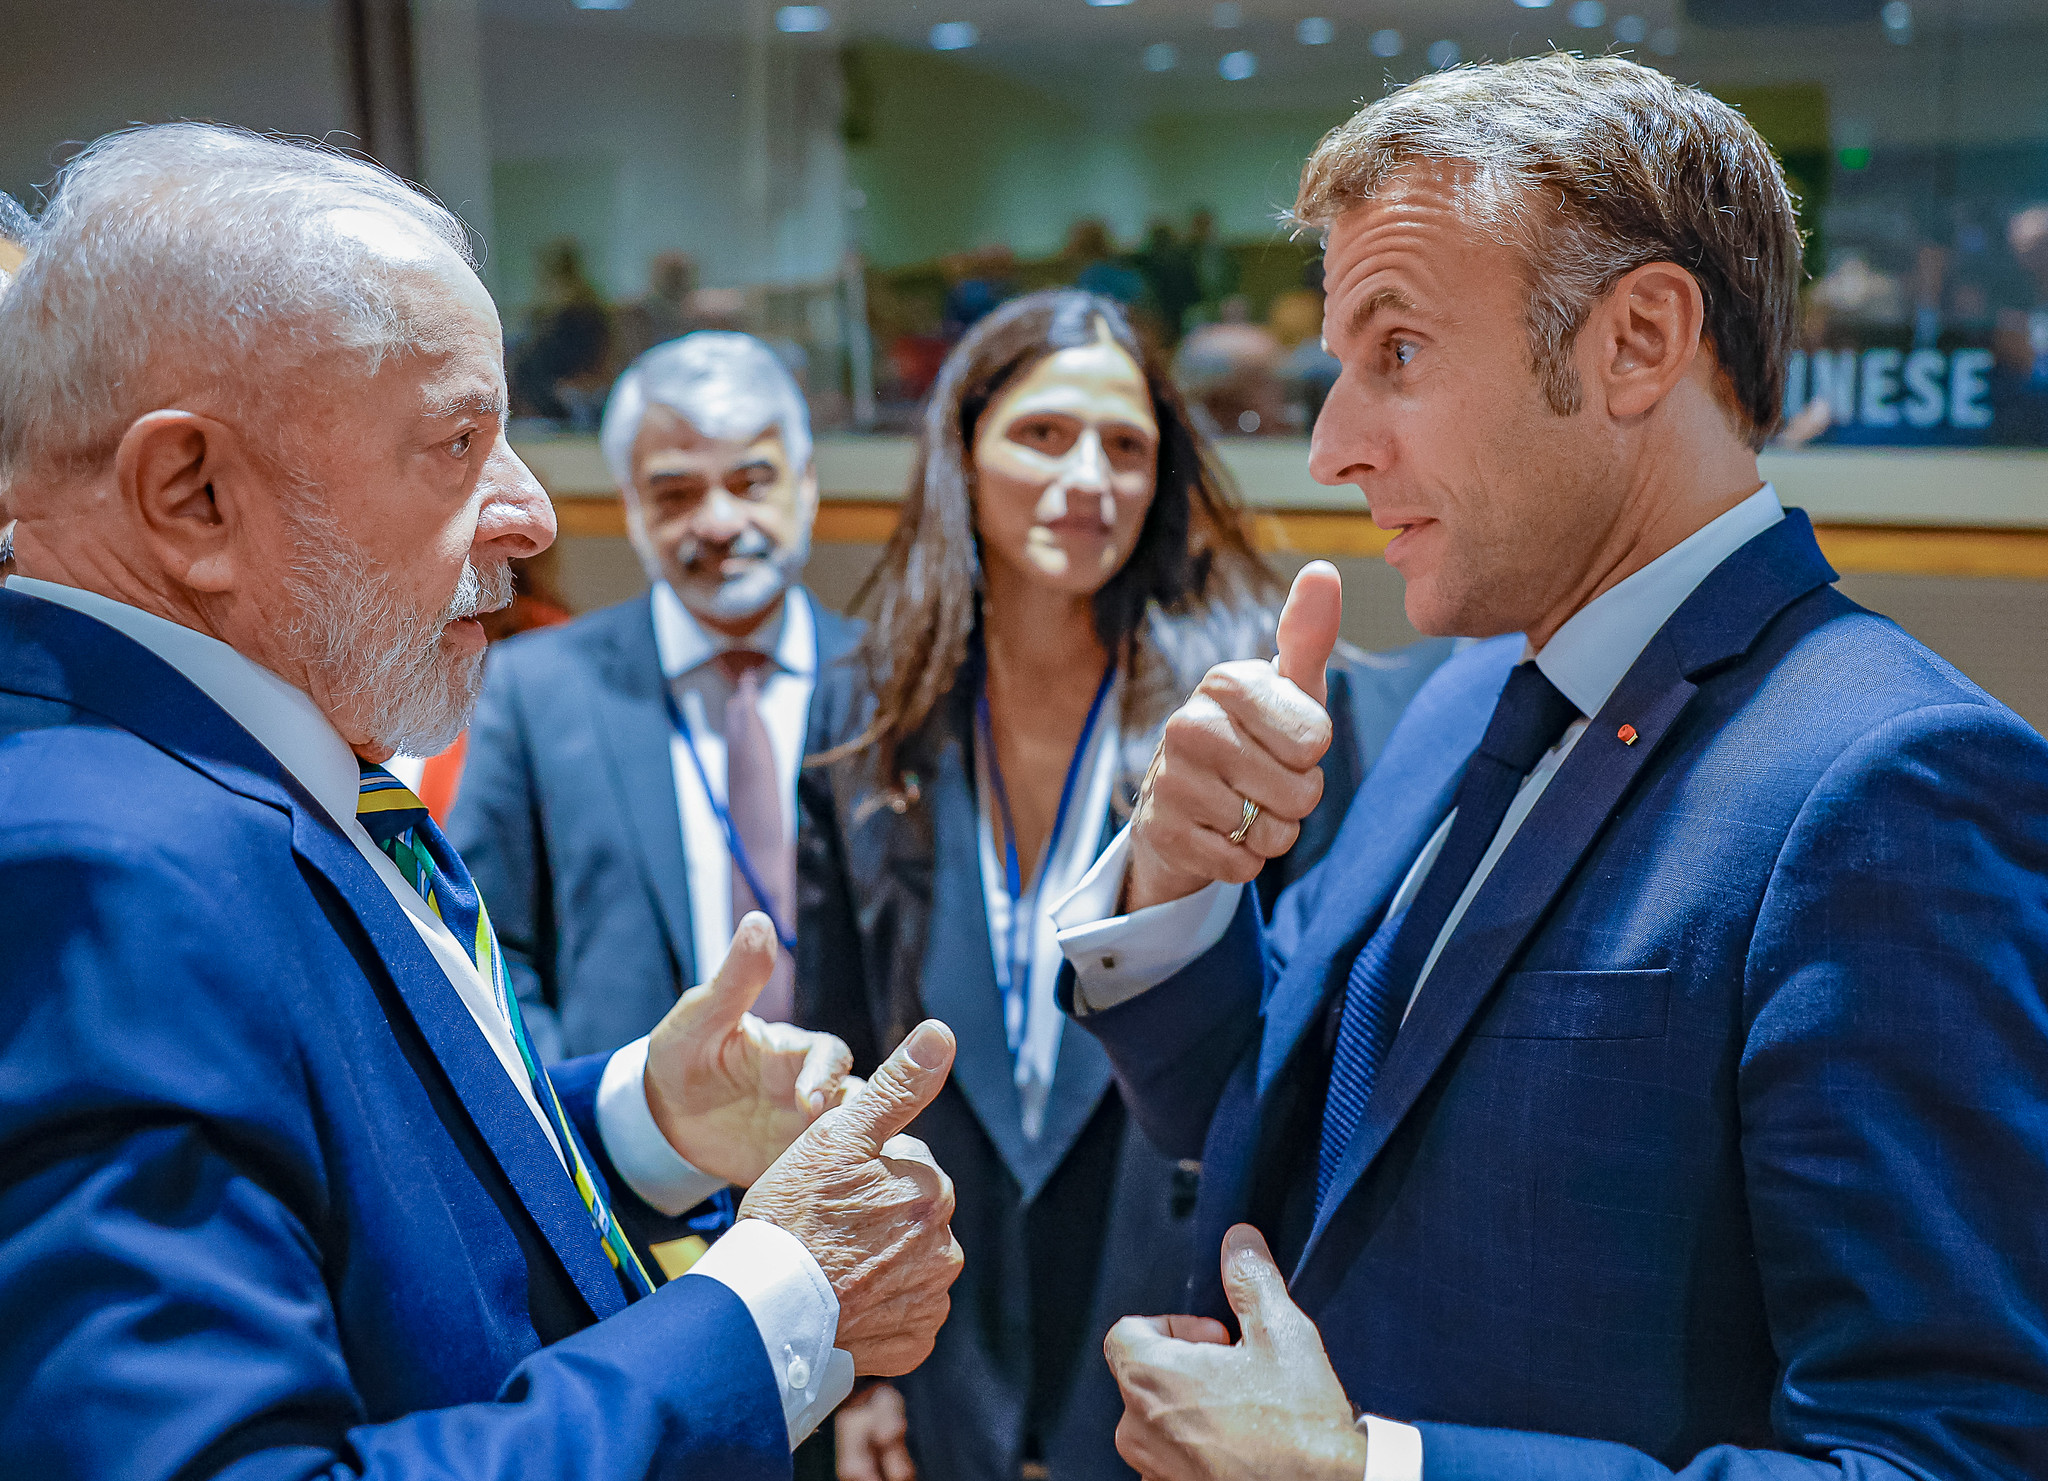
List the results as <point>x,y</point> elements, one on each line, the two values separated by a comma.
<point>1640,169</point>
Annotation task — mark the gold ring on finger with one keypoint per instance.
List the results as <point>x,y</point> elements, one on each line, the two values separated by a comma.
<point>1251,816</point>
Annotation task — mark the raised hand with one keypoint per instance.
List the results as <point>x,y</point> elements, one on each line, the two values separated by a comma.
<point>1197,1408</point>
<point>874,1210</point>
<point>1252,731</point>
<point>729,1091</point>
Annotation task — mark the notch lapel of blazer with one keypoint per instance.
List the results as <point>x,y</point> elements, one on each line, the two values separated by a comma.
<point>59,654</point>
<point>633,733</point>
<point>496,1108</point>
<point>1716,624</point>
<point>959,969</point>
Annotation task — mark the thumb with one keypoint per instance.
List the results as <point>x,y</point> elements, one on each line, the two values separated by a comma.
<point>748,965</point>
<point>1308,628</point>
<point>902,1087</point>
<point>1257,1291</point>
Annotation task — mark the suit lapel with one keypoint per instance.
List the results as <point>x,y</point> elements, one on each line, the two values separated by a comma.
<point>633,732</point>
<point>65,656</point>
<point>959,973</point>
<point>1716,624</point>
<point>499,1112</point>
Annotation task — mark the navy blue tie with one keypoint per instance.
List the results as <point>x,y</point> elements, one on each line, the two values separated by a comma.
<point>1528,720</point>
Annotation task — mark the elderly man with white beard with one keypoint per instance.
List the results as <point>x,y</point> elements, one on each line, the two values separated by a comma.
<point>285,1190</point>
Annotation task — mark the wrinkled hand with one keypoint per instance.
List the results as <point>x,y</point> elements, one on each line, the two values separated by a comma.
<point>874,1210</point>
<point>1251,730</point>
<point>870,1434</point>
<point>1199,1409</point>
<point>729,1091</point>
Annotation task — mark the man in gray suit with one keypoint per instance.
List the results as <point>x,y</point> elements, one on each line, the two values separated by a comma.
<point>630,787</point>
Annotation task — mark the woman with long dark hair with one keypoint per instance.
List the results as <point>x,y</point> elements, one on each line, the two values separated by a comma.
<point>1068,564</point>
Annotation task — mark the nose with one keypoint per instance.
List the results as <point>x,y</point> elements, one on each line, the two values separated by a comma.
<point>1084,471</point>
<point>720,519</point>
<point>1340,447</point>
<point>518,519</point>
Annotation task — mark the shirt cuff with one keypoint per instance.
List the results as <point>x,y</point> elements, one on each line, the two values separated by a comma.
<point>1393,1451</point>
<point>651,1167</point>
<point>796,1314</point>
<point>1116,957</point>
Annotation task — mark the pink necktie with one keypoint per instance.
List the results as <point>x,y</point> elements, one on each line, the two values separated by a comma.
<point>753,796</point>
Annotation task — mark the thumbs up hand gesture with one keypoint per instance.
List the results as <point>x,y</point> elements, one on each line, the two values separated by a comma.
<point>1197,1408</point>
<point>874,1209</point>
<point>1252,732</point>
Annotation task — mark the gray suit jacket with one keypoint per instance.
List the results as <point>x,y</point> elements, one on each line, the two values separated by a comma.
<point>567,819</point>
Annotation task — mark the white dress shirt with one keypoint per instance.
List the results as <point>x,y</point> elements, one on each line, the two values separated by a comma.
<point>1034,1015</point>
<point>686,648</point>
<point>782,1286</point>
<point>1118,957</point>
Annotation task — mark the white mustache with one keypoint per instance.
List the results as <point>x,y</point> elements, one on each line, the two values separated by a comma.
<point>478,592</point>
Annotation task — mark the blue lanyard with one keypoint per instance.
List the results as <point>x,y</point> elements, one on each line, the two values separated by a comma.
<point>732,835</point>
<point>1023,930</point>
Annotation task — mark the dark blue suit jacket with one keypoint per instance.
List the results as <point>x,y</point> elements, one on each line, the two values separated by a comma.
<point>567,820</point>
<point>1717,1138</point>
<point>269,1205</point>
<point>1064,1233</point>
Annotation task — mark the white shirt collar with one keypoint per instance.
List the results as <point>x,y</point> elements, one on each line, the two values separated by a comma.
<point>789,636</point>
<point>283,719</point>
<point>1598,644</point>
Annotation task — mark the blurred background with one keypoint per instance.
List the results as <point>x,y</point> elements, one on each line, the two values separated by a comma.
<point>858,181</point>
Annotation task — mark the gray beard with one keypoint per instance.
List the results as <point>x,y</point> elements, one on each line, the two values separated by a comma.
<point>381,661</point>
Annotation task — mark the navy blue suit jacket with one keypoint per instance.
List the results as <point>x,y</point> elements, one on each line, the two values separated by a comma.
<point>1717,1138</point>
<point>567,820</point>
<point>269,1205</point>
<point>1066,1232</point>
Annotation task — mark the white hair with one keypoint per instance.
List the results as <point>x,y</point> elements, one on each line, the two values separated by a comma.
<point>726,385</point>
<point>192,264</point>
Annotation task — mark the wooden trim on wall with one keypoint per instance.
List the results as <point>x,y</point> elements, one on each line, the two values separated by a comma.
<point>1904,550</point>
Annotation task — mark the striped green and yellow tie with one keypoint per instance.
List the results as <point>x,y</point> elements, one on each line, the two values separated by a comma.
<point>400,824</point>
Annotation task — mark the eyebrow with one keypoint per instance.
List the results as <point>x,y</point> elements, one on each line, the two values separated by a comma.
<point>476,403</point>
<point>1386,298</point>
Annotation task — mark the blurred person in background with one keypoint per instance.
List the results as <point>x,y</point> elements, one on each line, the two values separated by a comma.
<point>558,367</point>
<point>1215,270</point>
<point>659,315</point>
<point>2019,388</point>
<point>987,278</point>
<point>1068,564</point>
<point>1093,260</point>
<point>1230,373</point>
<point>630,788</point>
<point>1309,369</point>
<point>1168,267</point>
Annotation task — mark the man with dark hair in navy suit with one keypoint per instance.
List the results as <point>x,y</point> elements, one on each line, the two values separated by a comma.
<point>1653,1076</point>
<point>285,1187</point>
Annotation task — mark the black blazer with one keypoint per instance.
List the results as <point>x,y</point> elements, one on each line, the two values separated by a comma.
<point>1087,1224</point>
<point>567,820</point>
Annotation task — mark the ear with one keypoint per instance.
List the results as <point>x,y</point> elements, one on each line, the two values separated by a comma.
<point>188,485</point>
<point>1648,337</point>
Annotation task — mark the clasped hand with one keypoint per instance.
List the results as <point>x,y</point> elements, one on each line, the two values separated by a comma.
<point>1199,1408</point>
